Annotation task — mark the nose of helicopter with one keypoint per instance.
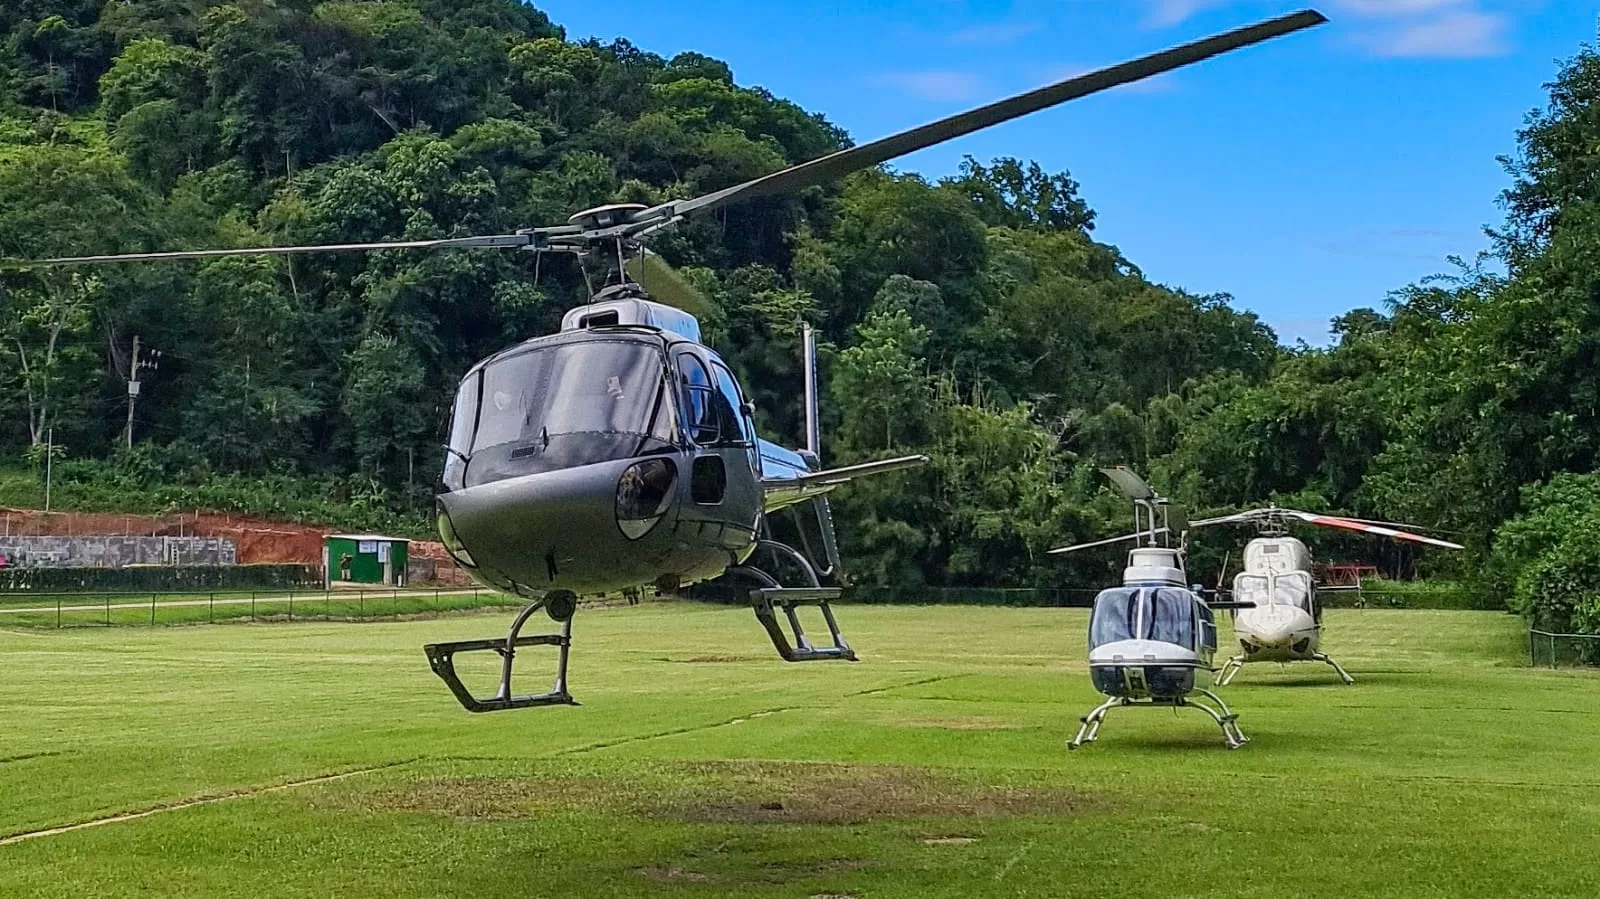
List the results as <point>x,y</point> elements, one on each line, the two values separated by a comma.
<point>558,529</point>
<point>1272,627</point>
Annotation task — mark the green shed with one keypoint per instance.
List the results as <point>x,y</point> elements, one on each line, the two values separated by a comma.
<point>364,559</point>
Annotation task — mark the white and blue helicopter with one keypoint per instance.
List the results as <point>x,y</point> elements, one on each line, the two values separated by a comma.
<point>1149,637</point>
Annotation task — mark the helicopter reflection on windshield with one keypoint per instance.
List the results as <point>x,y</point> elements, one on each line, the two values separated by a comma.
<point>560,406</point>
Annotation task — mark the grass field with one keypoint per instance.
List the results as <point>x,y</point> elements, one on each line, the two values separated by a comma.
<point>700,765</point>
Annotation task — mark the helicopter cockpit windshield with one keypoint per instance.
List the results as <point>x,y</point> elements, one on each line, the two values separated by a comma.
<point>1164,614</point>
<point>561,406</point>
<point>1289,588</point>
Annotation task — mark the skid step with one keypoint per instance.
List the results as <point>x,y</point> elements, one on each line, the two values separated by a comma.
<point>768,600</point>
<point>441,658</point>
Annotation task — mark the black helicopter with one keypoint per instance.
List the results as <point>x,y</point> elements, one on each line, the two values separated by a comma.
<point>621,452</point>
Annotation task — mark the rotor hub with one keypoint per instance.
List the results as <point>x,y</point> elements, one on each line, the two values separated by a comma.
<point>608,216</point>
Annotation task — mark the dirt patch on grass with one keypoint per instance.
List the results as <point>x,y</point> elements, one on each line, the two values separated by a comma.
<point>961,723</point>
<point>774,792</point>
<point>764,873</point>
<point>949,841</point>
<point>673,874</point>
<point>735,793</point>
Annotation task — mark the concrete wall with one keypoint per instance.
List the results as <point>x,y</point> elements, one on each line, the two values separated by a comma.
<point>115,552</point>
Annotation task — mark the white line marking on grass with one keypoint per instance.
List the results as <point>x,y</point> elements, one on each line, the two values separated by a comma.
<point>1012,861</point>
<point>198,801</point>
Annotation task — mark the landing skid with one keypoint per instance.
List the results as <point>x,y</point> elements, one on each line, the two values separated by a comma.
<point>772,596</point>
<point>1225,718</point>
<point>1233,665</point>
<point>560,607</point>
<point>1343,674</point>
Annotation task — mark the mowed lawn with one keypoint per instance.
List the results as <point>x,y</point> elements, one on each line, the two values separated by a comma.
<point>700,765</point>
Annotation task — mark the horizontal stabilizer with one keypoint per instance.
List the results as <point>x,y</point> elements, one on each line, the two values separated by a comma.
<point>831,476</point>
<point>787,482</point>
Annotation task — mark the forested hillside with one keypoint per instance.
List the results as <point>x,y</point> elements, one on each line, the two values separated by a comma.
<point>974,318</point>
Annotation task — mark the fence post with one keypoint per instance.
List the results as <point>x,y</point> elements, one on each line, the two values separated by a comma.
<point>361,605</point>
<point>211,608</point>
<point>152,610</point>
<point>252,606</point>
<point>58,613</point>
<point>1552,650</point>
<point>291,605</point>
<point>108,610</point>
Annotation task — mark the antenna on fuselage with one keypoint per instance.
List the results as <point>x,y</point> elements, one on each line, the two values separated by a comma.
<point>808,351</point>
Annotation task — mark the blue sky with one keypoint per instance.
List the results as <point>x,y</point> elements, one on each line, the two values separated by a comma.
<point>1306,177</point>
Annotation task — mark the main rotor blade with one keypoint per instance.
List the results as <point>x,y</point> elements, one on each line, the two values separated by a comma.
<point>835,165</point>
<point>1062,550</point>
<point>1130,483</point>
<point>665,284</point>
<point>489,241</point>
<point>1235,518</point>
<point>1351,524</point>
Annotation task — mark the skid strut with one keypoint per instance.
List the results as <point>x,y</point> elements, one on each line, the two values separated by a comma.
<point>769,599</point>
<point>441,657</point>
<point>1225,718</point>
<point>1235,664</point>
<point>1343,674</point>
<point>772,596</point>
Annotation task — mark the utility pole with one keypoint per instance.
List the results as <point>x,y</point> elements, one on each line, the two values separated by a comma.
<point>133,386</point>
<point>49,459</point>
<point>135,365</point>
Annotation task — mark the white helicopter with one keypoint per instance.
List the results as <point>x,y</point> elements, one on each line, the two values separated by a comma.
<point>1148,637</point>
<point>1283,621</point>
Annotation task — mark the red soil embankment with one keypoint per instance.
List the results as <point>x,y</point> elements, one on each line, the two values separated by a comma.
<point>258,540</point>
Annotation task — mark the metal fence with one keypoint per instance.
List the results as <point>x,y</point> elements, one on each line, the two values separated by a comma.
<point>64,610</point>
<point>1083,598</point>
<point>1552,650</point>
<point>160,578</point>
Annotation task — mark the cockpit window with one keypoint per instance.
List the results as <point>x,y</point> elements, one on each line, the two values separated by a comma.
<point>1291,588</point>
<point>1115,617</point>
<point>566,405</point>
<point>1171,617</point>
<point>734,425</point>
<point>699,400</point>
<point>1165,614</point>
<point>463,419</point>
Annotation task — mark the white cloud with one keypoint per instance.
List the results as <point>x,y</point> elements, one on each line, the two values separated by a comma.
<point>1172,12</point>
<point>1389,8</point>
<point>941,86</point>
<point>1464,34</point>
<point>993,35</point>
<point>1393,28</point>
